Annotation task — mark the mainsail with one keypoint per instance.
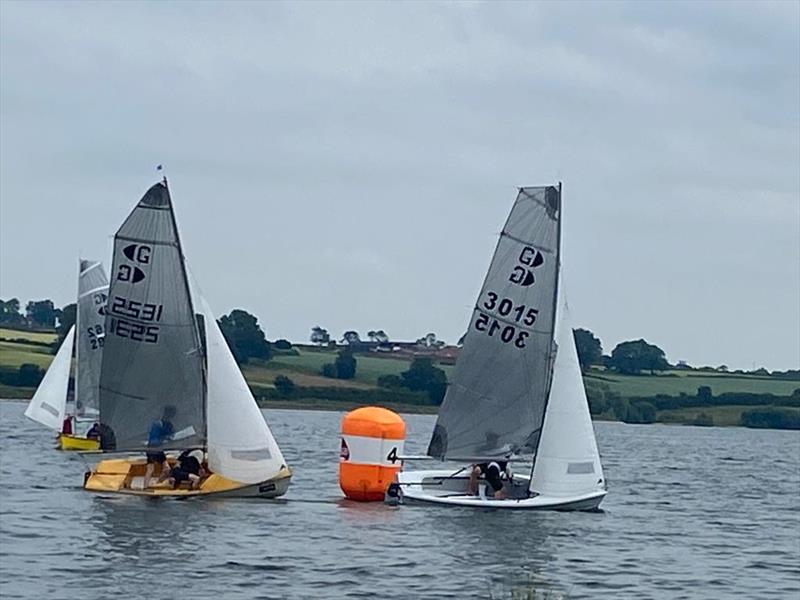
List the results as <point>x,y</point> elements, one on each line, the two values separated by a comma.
<point>92,297</point>
<point>495,403</point>
<point>153,364</point>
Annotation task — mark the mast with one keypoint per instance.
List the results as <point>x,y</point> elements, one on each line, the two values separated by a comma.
<point>553,345</point>
<point>77,351</point>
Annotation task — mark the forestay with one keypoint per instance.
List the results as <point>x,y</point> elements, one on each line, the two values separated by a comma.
<point>496,400</point>
<point>49,403</point>
<point>152,357</point>
<point>567,461</point>
<point>240,444</point>
<point>92,297</point>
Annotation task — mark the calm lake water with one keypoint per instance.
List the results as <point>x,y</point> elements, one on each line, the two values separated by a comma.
<point>692,513</point>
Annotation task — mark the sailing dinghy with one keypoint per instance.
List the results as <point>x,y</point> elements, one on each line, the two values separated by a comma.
<point>517,390</point>
<point>160,358</point>
<point>49,404</point>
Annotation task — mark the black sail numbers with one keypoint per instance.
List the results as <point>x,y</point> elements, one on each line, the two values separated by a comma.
<point>129,318</point>
<point>508,319</point>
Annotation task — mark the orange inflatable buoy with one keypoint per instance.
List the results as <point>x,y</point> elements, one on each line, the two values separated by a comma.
<point>372,441</point>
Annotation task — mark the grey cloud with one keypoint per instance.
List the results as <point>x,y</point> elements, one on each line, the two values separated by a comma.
<point>351,164</point>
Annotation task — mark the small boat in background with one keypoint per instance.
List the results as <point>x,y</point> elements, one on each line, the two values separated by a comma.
<point>49,404</point>
<point>517,391</point>
<point>163,359</point>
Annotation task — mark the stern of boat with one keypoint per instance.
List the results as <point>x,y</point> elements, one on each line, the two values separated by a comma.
<point>72,442</point>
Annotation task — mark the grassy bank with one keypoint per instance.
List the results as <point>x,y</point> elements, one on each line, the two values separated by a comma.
<point>343,405</point>
<point>370,367</point>
<point>42,337</point>
<point>721,416</point>
<point>674,383</point>
<point>315,392</point>
<point>13,355</point>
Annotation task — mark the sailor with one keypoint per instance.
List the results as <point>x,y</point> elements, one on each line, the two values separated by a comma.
<point>160,431</point>
<point>94,432</point>
<point>66,426</point>
<point>189,468</point>
<point>108,439</point>
<point>492,472</point>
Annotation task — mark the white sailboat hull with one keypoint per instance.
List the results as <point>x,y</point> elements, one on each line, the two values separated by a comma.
<point>450,488</point>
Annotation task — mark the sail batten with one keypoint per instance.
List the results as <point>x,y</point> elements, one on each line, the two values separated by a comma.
<point>495,404</point>
<point>153,360</point>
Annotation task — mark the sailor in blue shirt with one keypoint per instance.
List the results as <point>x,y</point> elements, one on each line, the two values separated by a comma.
<point>161,431</point>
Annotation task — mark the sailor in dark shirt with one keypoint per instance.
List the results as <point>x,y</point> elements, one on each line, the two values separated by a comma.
<point>188,468</point>
<point>492,471</point>
<point>94,432</point>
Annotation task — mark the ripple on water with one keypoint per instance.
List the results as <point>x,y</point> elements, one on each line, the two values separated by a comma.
<point>692,513</point>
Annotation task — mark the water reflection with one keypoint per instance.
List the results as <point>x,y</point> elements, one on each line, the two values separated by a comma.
<point>130,527</point>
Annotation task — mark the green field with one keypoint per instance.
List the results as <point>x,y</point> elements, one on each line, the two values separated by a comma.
<point>675,382</point>
<point>33,336</point>
<point>13,355</point>
<point>369,368</point>
<point>8,392</point>
<point>304,369</point>
<point>722,415</point>
<point>313,404</point>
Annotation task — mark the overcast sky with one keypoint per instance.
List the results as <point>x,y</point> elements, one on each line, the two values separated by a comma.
<point>351,165</point>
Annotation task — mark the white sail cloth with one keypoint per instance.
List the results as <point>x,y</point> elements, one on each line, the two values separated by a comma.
<point>567,462</point>
<point>49,404</point>
<point>240,445</point>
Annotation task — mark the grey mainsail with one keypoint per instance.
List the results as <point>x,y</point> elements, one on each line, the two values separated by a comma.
<point>496,400</point>
<point>92,297</point>
<point>152,357</point>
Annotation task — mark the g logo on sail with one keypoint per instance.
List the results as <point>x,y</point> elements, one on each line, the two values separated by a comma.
<point>528,260</point>
<point>138,253</point>
<point>128,273</point>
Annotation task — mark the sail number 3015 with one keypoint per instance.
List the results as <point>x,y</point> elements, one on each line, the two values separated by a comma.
<point>508,333</point>
<point>505,308</point>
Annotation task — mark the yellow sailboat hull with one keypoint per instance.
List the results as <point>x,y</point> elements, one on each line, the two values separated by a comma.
<point>72,442</point>
<point>125,476</point>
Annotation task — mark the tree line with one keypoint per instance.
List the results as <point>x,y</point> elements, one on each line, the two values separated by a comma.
<point>41,314</point>
<point>636,356</point>
<point>248,340</point>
